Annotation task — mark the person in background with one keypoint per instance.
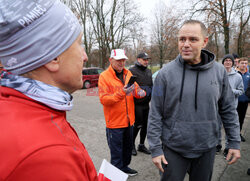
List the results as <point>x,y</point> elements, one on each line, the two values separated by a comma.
<point>189,96</point>
<point>117,98</point>
<point>236,84</point>
<point>247,92</point>
<point>243,99</point>
<point>154,75</point>
<point>42,56</point>
<point>144,79</point>
<point>235,80</point>
<point>236,61</point>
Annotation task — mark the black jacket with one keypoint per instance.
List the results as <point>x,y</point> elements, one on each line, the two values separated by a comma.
<point>247,92</point>
<point>144,79</point>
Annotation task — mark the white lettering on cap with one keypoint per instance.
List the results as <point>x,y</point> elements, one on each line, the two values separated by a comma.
<point>31,16</point>
<point>11,62</point>
<point>21,22</point>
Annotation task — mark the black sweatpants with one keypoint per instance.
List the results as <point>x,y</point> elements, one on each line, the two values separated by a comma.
<point>200,168</point>
<point>141,122</point>
<point>242,109</point>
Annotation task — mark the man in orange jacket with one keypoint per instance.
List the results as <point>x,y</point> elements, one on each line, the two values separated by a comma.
<point>117,98</point>
<point>42,56</point>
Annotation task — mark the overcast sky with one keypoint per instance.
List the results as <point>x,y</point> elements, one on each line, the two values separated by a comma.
<point>146,7</point>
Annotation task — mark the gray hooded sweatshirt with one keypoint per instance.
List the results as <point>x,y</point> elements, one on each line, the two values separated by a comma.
<point>187,102</point>
<point>236,83</point>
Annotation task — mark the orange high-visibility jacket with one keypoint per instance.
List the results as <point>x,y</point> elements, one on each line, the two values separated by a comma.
<point>118,107</point>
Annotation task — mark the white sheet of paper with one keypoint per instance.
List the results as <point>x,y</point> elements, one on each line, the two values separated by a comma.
<point>111,172</point>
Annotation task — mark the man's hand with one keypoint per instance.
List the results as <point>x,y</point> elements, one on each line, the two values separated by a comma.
<point>232,156</point>
<point>158,161</point>
<point>141,92</point>
<point>128,90</point>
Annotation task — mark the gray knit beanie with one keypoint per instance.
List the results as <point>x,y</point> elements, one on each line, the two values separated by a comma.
<point>34,32</point>
<point>228,56</point>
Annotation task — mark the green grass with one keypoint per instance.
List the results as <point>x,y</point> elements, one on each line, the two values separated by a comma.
<point>154,68</point>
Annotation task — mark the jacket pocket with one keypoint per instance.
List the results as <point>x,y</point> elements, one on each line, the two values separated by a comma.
<point>194,135</point>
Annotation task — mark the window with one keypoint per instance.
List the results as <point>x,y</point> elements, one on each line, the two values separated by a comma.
<point>95,71</point>
<point>99,71</point>
<point>92,72</point>
<point>85,72</point>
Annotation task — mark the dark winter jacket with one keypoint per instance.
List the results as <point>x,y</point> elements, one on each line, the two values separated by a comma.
<point>144,79</point>
<point>246,81</point>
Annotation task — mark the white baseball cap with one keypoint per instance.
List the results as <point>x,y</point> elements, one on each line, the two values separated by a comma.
<point>118,54</point>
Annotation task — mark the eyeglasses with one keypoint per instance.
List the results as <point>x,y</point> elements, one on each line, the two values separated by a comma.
<point>145,59</point>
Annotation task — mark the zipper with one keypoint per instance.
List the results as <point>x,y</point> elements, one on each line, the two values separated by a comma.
<point>126,103</point>
<point>125,97</point>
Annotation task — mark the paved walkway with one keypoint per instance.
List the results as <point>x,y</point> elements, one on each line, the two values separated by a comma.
<point>88,120</point>
<point>238,171</point>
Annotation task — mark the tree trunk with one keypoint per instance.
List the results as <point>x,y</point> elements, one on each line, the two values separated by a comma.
<point>104,53</point>
<point>239,44</point>
<point>226,37</point>
<point>161,56</point>
<point>217,46</point>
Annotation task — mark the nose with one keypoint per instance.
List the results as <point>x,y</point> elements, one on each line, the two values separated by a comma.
<point>186,43</point>
<point>85,57</point>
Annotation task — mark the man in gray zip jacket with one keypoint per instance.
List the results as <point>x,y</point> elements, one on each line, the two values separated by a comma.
<point>190,94</point>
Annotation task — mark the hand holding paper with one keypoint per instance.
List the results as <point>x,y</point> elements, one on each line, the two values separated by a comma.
<point>108,172</point>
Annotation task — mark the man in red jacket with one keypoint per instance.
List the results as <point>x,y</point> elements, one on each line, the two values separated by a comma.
<point>40,49</point>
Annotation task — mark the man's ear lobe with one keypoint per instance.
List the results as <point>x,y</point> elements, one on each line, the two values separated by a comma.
<point>52,66</point>
<point>205,42</point>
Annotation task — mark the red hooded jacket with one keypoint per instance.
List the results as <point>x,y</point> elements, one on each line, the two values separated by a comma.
<point>37,143</point>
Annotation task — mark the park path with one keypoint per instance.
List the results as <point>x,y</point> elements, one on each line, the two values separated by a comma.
<point>88,120</point>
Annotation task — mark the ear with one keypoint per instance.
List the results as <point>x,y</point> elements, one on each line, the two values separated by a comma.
<point>52,66</point>
<point>205,42</point>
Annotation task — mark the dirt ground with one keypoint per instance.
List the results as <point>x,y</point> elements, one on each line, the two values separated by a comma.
<point>88,120</point>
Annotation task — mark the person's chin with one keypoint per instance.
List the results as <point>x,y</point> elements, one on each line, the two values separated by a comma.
<point>79,85</point>
<point>75,88</point>
<point>187,58</point>
<point>120,70</point>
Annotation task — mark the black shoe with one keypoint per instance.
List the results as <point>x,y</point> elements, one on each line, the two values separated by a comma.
<point>248,171</point>
<point>134,152</point>
<point>225,152</point>
<point>242,138</point>
<point>218,148</point>
<point>130,172</point>
<point>142,148</point>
